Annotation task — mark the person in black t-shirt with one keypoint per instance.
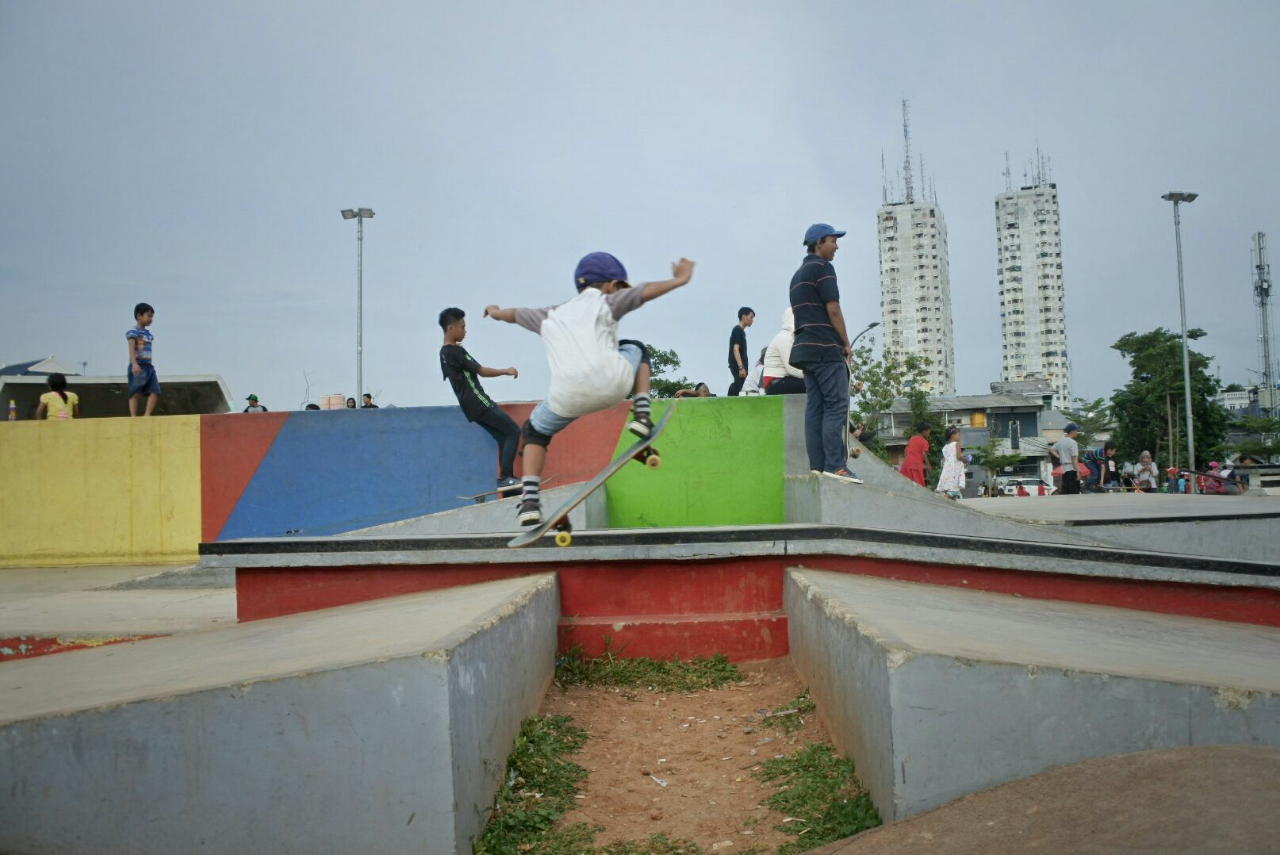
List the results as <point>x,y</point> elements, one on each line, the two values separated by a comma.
<point>461,369</point>
<point>739,365</point>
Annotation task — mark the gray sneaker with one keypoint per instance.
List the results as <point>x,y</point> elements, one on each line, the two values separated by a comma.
<point>529,512</point>
<point>844,475</point>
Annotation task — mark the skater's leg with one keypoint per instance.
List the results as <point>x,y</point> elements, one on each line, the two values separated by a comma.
<point>833,379</point>
<point>641,414</point>
<point>813,421</point>
<point>506,433</point>
<point>543,424</point>
<point>151,403</point>
<point>133,404</point>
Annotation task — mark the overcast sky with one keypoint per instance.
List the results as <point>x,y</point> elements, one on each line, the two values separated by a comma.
<point>196,156</point>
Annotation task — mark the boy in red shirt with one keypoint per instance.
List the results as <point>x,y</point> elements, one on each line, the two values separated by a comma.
<point>915,462</point>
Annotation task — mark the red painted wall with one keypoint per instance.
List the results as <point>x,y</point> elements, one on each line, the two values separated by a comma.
<point>231,447</point>
<point>731,606</point>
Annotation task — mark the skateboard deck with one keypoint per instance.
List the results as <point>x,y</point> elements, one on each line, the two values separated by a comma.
<point>642,450</point>
<point>514,490</point>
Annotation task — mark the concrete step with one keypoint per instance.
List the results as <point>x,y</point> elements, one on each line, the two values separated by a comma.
<point>937,692</point>
<point>377,727</point>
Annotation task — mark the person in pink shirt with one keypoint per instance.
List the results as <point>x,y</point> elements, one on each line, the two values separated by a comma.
<point>915,462</point>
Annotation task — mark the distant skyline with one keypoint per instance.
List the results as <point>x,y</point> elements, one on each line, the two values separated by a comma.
<point>197,158</point>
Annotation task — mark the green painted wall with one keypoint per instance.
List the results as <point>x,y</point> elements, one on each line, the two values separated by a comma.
<point>721,465</point>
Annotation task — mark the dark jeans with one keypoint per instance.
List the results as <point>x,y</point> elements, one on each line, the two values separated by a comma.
<point>1070,482</point>
<point>507,434</point>
<point>736,386</point>
<point>786,386</point>
<point>826,415</point>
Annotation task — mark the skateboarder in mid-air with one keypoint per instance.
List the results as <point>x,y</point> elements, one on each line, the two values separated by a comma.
<point>591,369</point>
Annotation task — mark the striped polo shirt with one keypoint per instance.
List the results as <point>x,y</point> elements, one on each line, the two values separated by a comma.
<point>143,335</point>
<point>812,287</point>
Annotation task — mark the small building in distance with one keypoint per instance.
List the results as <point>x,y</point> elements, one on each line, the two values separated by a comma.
<point>105,396</point>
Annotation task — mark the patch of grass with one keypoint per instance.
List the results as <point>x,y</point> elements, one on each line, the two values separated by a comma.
<point>657,844</point>
<point>540,785</point>
<point>792,721</point>
<point>817,787</point>
<point>660,675</point>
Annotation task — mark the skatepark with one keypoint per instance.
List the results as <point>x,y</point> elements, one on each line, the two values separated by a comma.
<point>296,614</point>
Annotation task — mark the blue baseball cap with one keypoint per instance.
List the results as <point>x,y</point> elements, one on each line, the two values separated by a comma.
<point>599,267</point>
<point>818,231</point>
<point>1070,427</point>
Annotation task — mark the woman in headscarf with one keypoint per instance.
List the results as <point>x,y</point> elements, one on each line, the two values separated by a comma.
<point>1146,476</point>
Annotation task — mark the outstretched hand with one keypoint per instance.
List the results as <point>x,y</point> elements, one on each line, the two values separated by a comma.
<point>490,310</point>
<point>682,270</point>
<point>511,372</point>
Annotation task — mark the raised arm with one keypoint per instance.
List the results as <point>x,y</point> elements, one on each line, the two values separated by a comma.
<point>499,314</point>
<point>681,273</point>
<point>497,372</point>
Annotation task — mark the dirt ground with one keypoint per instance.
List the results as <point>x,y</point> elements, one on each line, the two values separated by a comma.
<point>681,764</point>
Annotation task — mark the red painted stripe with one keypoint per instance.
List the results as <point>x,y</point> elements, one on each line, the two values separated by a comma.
<point>581,450</point>
<point>231,447</point>
<point>28,647</point>
<point>741,638</point>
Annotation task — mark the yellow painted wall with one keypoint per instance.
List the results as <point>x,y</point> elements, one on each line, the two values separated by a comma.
<point>99,491</point>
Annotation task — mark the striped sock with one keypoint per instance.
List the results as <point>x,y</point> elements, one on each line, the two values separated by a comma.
<point>640,404</point>
<point>532,484</point>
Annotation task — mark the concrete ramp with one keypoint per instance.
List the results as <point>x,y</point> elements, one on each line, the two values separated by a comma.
<point>381,727</point>
<point>494,517</point>
<point>939,692</point>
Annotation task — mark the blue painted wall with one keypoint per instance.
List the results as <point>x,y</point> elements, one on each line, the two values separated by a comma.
<point>340,470</point>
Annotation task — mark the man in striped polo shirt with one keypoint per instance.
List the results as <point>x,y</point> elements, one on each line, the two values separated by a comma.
<point>821,351</point>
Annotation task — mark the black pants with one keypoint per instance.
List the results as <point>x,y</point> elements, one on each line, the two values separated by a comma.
<point>1070,482</point>
<point>736,386</point>
<point>786,386</point>
<point>507,434</point>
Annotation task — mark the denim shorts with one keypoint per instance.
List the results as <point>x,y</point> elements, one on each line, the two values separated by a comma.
<point>548,422</point>
<point>145,383</point>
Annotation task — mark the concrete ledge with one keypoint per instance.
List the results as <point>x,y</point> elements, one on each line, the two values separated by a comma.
<point>494,517</point>
<point>939,692</point>
<point>378,727</point>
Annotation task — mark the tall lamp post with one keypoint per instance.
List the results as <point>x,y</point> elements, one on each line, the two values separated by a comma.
<point>872,326</point>
<point>1177,198</point>
<point>360,215</point>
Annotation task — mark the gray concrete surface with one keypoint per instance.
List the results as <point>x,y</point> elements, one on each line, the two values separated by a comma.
<point>493,517</point>
<point>376,727</point>
<point>1218,800</point>
<point>939,692</point>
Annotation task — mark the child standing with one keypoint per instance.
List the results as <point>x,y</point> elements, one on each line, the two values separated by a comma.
<point>141,374</point>
<point>915,462</point>
<point>591,369</point>
<point>58,404</point>
<point>460,369</point>
<point>951,481</point>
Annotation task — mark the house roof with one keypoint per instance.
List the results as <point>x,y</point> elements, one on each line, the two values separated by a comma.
<point>47,365</point>
<point>952,403</point>
<point>1053,420</point>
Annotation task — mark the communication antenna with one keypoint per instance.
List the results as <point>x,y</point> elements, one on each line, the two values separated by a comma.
<point>1262,299</point>
<point>906,158</point>
<point>884,181</point>
<point>1008,176</point>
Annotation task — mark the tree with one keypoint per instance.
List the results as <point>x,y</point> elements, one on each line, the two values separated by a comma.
<point>1264,439</point>
<point>1092,417</point>
<point>921,414</point>
<point>1233,387</point>
<point>1149,409</point>
<point>662,362</point>
<point>993,460</point>
<point>884,381</point>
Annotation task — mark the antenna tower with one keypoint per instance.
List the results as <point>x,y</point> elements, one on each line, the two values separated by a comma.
<point>1008,176</point>
<point>906,159</point>
<point>884,181</point>
<point>1262,299</point>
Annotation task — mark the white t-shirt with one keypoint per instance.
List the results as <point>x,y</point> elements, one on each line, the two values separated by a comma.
<point>751,385</point>
<point>1067,449</point>
<point>587,371</point>
<point>777,356</point>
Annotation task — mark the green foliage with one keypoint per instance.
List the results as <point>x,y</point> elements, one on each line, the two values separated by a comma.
<point>1233,387</point>
<point>993,460</point>
<point>660,675</point>
<point>662,364</point>
<point>1092,417</point>
<point>794,712</point>
<point>817,787</point>
<point>884,380</point>
<point>1264,441</point>
<point>1153,398</point>
<point>539,787</point>
<point>656,844</point>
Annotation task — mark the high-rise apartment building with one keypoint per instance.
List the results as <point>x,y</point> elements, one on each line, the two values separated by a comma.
<point>1033,316</point>
<point>915,282</point>
<point>915,289</point>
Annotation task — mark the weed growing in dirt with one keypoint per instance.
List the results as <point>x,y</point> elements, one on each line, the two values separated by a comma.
<point>793,713</point>
<point>818,788</point>
<point>661,675</point>
<point>539,786</point>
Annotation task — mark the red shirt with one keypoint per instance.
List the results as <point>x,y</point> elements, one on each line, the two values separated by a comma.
<point>917,448</point>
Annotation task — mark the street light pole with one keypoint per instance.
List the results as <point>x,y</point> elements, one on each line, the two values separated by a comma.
<point>1177,198</point>
<point>359,215</point>
<point>872,326</point>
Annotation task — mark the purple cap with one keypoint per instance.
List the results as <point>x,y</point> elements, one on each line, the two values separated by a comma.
<point>599,267</point>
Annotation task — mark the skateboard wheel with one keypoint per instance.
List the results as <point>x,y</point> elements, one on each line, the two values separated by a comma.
<point>653,461</point>
<point>857,452</point>
<point>563,538</point>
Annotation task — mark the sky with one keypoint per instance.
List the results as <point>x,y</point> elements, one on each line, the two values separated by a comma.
<point>196,157</point>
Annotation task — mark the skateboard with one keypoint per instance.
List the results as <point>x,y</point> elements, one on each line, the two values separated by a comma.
<point>642,451</point>
<point>514,490</point>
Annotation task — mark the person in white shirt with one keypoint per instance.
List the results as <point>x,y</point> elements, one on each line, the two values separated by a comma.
<point>591,369</point>
<point>1146,476</point>
<point>752,384</point>
<point>780,376</point>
